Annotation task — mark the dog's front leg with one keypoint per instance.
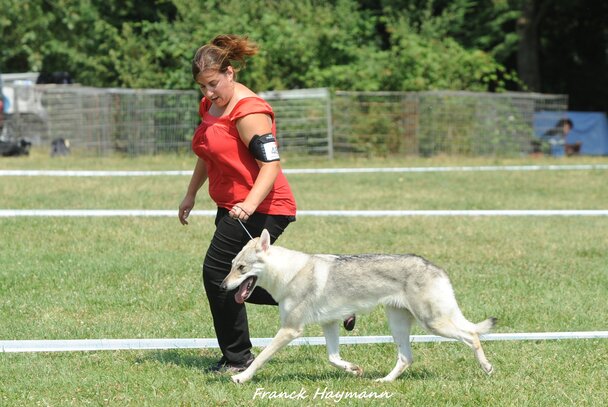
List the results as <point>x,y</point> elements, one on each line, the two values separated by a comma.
<point>281,339</point>
<point>332,341</point>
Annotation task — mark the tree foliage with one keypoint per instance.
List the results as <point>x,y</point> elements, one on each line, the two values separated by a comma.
<point>342,44</point>
<point>556,46</point>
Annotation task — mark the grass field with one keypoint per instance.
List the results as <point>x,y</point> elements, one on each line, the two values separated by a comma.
<point>77,278</point>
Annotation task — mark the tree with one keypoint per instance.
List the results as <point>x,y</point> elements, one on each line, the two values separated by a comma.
<point>528,67</point>
<point>574,53</point>
<point>22,28</point>
<point>555,46</point>
<point>343,44</point>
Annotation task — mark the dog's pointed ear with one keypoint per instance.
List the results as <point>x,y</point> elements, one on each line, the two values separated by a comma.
<point>264,242</point>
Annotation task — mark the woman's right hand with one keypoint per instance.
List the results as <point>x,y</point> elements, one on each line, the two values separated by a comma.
<point>184,209</point>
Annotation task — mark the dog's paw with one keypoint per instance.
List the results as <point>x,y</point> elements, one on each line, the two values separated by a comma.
<point>240,378</point>
<point>384,380</point>
<point>355,370</point>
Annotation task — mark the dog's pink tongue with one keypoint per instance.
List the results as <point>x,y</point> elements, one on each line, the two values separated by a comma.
<point>243,292</point>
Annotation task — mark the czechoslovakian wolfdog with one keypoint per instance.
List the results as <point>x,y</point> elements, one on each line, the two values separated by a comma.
<point>326,289</point>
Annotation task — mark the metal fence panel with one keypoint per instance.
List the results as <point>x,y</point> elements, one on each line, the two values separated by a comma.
<point>441,122</point>
<point>103,121</point>
<point>303,119</point>
<point>309,121</point>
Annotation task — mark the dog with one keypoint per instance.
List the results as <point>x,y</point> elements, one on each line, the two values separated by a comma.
<point>15,148</point>
<point>325,289</point>
<point>60,147</point>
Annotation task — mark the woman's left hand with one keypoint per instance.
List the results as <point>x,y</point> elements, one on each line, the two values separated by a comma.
<point>241,211</point>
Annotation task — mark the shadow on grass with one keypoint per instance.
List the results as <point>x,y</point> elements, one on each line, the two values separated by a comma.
<point>192,360</point>
<point>338,375</point>
<point>276,371</point>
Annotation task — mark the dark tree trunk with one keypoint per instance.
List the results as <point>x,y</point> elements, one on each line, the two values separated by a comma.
<point>528,66</point>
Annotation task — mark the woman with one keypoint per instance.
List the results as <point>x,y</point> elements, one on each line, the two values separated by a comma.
<point>236,149</point>
<point>237,153</point>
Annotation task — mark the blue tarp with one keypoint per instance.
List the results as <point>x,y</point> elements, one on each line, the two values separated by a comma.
<point>590,128</point>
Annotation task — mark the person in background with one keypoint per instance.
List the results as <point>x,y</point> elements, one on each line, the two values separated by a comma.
<point>553,141</point>
<point>563,127</point>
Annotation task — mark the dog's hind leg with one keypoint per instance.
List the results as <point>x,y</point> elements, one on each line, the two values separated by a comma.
<point>473,341</point>
<point>458,327</point>
<point>332,341</point>
<point>479,354</point>
<point>281,339</point>
<point>400,321</point>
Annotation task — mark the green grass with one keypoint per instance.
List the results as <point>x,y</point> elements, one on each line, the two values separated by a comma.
<point>39,159</point>
<point>72,278</point>
<point>510,190</point>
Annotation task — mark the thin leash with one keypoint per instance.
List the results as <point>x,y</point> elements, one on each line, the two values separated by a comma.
<point>243,226</point>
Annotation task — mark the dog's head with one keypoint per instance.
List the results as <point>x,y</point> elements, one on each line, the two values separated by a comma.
<point>247,267</point>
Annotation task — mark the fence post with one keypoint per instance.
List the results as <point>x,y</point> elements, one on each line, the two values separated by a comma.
<point>16,113</point>
<point>330,132</point>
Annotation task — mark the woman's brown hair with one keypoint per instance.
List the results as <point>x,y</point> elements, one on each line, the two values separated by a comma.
<point>223,51</point>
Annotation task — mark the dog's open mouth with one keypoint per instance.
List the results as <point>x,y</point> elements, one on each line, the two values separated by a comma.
<point>245,289</point>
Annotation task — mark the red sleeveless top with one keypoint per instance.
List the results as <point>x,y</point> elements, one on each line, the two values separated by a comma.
<point>231,168</point>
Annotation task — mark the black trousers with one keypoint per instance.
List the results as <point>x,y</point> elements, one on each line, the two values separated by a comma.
<point>229,317</point>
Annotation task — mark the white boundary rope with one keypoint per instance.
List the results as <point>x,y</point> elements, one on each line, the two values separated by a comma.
<point>13,213</point>
<point>451,169</point>
<point>74,345</point>
<point>88,173</point>
<point>103,173</point>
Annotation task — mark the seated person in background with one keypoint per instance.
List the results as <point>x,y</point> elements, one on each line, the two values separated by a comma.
<point>557,136</point>
<point>558,133</point>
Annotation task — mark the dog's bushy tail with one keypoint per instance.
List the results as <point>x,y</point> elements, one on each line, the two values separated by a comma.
<point>485,326</point>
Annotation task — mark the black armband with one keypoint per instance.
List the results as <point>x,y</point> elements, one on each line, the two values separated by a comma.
<point>264,148</point>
